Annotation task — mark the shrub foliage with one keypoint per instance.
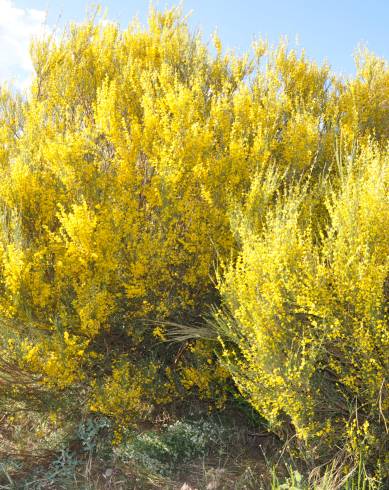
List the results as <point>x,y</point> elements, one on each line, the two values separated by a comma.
<point>138,163</point>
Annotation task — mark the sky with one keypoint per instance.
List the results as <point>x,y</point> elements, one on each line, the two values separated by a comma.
<point>328,30</point>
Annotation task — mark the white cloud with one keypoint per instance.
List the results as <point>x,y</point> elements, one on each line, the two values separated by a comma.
<point>17,27</point>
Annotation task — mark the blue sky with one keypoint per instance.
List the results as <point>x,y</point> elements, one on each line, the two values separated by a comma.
<point>328,30</point>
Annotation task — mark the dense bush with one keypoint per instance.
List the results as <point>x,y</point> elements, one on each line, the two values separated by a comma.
<point>137,164</point>
<point>107,216</point>
<point>306,312</point>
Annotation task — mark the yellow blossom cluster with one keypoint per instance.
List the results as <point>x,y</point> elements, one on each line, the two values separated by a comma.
<point>307,314</point>
<point>138,163</point>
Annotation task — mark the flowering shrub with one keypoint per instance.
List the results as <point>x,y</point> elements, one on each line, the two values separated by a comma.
<point>106,185</point>
<point>305,321</point>
<point>136,163</point>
